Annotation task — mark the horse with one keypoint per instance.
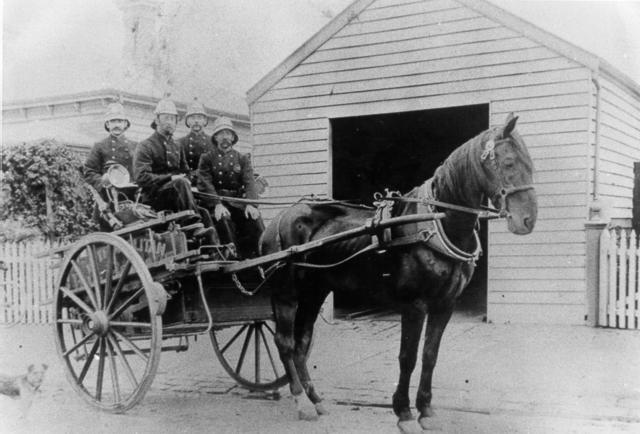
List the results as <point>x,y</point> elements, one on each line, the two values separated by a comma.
<point>422,279</point>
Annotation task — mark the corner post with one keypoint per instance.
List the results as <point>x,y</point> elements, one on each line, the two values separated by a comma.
<point>597,222</point>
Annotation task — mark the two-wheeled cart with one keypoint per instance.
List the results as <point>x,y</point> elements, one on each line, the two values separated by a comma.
<point>125,296</point>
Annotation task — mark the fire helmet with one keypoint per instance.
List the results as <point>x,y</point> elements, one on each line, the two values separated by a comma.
<point>224,123</point>
<point>196,108</point>
<point>115,110</point>
<point>165,106</point>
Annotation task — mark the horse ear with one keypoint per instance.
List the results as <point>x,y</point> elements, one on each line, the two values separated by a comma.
<point>509,124</point>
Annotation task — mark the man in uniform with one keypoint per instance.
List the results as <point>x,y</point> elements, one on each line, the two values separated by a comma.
<point>116,148</point>
<point>197,141</point>
<point>223,171</point>
<point>161,170</point>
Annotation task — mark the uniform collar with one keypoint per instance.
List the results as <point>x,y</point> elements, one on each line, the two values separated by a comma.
<point>163,137</point>
<point>119,138</point>
<point>220,151</point>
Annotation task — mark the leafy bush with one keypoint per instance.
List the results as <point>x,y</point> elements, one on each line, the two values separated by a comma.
<point>33,171</point>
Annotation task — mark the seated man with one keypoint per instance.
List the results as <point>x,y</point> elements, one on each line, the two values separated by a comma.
<point>161,170</point>
<point>224,171</point>
<point>114,149</point>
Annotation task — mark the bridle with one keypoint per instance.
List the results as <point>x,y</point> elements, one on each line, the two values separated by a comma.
<point>505,190</point>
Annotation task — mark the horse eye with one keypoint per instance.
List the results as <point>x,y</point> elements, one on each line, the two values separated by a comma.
<point>509,163</point>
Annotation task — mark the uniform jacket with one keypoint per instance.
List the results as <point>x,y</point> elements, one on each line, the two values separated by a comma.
<point>194,145</point>
<point>118,149</point>
<point>226,174</point>
<point>157,158</point>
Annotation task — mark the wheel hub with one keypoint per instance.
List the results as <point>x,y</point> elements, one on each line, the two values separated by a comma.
<point>98,323</point>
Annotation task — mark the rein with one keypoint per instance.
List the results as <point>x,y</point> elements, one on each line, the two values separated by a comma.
<point>304,199</point>
<point>488,213</point>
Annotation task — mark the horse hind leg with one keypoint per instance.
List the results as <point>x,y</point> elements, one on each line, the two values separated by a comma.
<point>305,319</point>
<point>412,322</point>
<point>285,313</point>
<point>438,319</point>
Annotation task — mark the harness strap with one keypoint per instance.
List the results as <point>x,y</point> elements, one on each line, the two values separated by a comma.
<point>441,242</point>
<point>489,213</point>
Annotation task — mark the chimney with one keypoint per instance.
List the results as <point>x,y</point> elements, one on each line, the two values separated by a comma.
<point>140,58</point>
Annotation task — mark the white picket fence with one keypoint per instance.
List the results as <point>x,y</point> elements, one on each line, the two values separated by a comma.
<point>27,283</point>
<point>619,304</point>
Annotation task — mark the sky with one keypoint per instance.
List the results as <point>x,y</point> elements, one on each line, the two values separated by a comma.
<point>52,47</point>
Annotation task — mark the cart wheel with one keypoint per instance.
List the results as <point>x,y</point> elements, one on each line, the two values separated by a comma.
<point>254,339</point>
<point>107,333</point>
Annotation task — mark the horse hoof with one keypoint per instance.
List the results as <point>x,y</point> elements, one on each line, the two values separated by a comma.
<point>306,409</point>
<point>308,414</point>
<point>428,424</point>
<point>409,427</point>
<point>321,409</point>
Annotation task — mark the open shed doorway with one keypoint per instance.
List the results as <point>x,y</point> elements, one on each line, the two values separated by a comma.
<point>400,151</point>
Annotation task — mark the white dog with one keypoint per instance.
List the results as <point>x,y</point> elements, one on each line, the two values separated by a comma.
<point>23,387</point>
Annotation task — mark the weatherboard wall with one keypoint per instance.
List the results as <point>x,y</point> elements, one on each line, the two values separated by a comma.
<point>398,56</point>
<point>619,141</point>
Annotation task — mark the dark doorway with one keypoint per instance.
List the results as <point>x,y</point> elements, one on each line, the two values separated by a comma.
<point>399,151</point>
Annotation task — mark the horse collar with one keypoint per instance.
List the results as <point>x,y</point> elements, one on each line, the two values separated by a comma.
<point>438,239</point>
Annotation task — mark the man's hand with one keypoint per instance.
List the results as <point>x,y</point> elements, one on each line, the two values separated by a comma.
<point>251,212</point>
<point>178,176</point>
<point>105,180</point>
<point>221,211</point>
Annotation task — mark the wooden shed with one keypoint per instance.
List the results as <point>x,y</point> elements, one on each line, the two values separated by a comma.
<point>388,88</point>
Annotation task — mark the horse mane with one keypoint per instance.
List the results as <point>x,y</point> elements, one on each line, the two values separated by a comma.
<point>457,176</point>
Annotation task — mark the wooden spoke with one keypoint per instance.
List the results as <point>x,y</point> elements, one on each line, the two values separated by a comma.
<point>266,345</point>
<point>100,378</point>
<point>108,275</point>
<point>129,342</point>
<point>247,339</point>
<point>78,344</point>
<point>116,291</point>
<point>256,346</point>
<point>127,303</point>
<point>85,284</point>
<point>114,373</point>
<point>268,327</point>
<point>115,383</point>
<point>93,261</point>
<point>123,360</point>
<point>81,304</point>
<point>87,362</point>
<point>233,339</point>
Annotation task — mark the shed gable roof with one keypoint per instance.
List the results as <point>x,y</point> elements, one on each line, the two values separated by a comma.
<point>483,7</point>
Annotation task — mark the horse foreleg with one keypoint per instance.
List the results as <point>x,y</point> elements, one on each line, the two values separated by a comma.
<point>285,313</point>
<point>412,322</point>
<point>437,322</point>
<point>305,321</point>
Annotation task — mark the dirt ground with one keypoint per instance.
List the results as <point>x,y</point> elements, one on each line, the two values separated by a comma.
<point>489,379</point>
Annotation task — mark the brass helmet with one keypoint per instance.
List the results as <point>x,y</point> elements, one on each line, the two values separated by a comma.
<point>196,108</point>
<point>223,123</point>
<point>165,106</point>
<point>115,110</point>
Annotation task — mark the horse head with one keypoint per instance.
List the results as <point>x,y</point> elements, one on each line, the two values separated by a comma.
<point>509,182</point>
